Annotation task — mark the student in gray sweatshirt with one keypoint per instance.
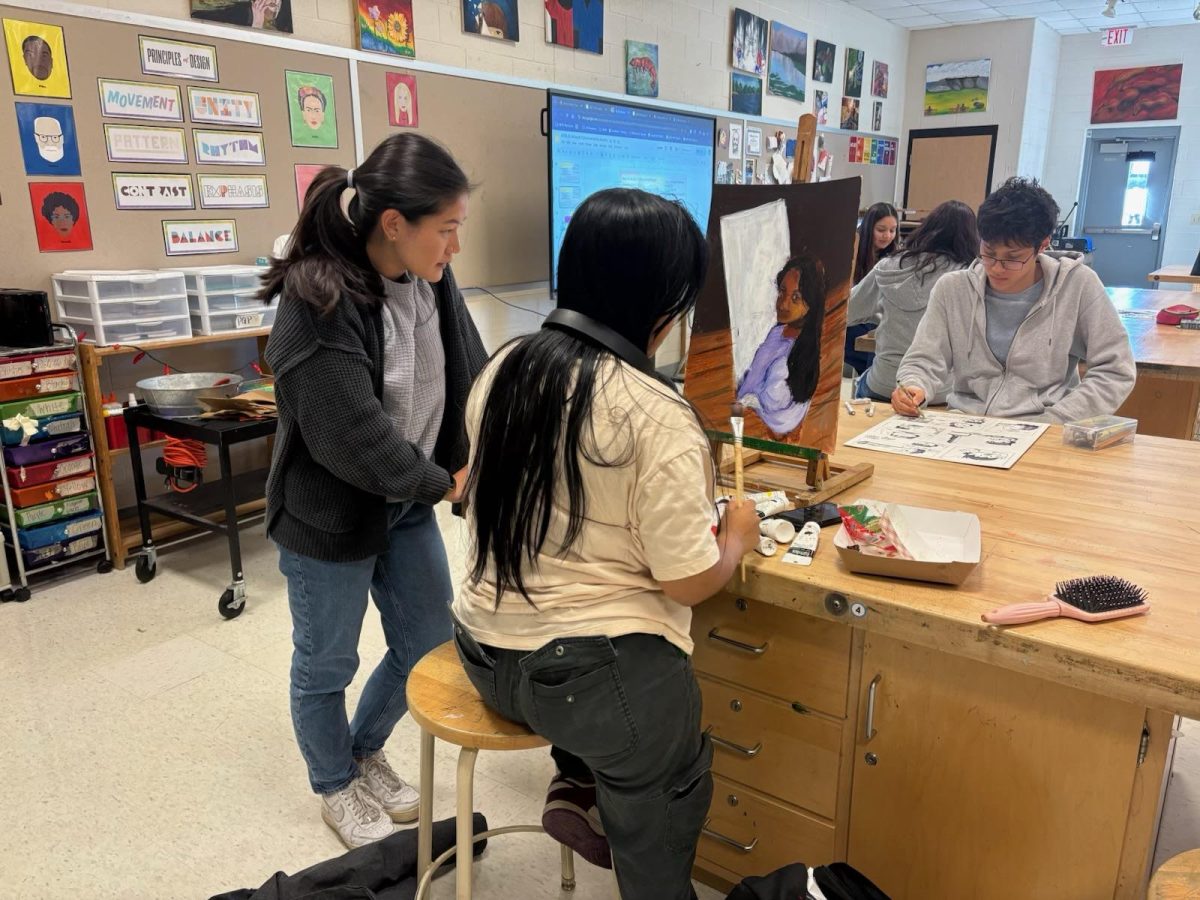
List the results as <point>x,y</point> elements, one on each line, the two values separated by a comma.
<point>895,293</point>
<point>1006,336</point>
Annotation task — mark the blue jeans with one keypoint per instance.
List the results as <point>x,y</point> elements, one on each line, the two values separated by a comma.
<point>864,390</point>
<point>410,583</point>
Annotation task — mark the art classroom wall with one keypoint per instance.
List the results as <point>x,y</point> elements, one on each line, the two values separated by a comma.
<point>124,239</point>
<point>1081,57</point>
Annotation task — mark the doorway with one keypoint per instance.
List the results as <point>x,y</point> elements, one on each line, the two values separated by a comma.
<point>949,164</point>
<point>1124,196</point>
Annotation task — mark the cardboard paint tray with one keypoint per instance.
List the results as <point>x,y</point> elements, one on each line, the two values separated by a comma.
<point>954,538</point>
<point>45,513</point>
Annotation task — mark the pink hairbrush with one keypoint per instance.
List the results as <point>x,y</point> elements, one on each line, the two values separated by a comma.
<point>1095,599</point>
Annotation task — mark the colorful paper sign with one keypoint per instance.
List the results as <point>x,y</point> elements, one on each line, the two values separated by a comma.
<point>178,59</point>
<point>232,191</point>
<point>210,106</point>
<point>147,190</point>
<point>196,237</point>
<point>139,100</point>
<point>230,148</point>
<point>144,143</point>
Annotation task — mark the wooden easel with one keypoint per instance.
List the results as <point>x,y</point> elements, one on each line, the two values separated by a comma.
<point>807,476</point>
<point>806,139</point>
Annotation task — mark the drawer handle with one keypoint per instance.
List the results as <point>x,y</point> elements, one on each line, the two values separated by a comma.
<point>728,841</point>
<point>869,732</point>
<point>715,635</point>
<point>748,752</point>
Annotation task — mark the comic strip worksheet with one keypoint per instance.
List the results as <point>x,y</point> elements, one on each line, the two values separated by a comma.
<point>973,440</point>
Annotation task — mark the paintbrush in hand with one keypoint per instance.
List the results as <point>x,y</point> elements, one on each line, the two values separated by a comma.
<point>737,424</point>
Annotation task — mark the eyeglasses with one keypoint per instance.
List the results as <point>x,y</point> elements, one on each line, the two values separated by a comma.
<point>1009,265</point>
<point>49,138</point>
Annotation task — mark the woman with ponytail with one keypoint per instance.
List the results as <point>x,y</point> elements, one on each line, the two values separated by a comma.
<point>373,353</point>
<point>590,500</point>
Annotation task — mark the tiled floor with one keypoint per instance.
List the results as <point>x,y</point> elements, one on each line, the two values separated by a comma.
<point>148,752</point>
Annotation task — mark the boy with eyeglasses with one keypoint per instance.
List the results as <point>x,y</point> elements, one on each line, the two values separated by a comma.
<point>1006,336</point>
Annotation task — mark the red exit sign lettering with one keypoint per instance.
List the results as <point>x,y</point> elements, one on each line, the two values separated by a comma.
<point>1117,37</point>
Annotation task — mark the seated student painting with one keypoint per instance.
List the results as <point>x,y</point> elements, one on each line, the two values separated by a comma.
<point>877,239</point>
<point>590,503</point>
<point>1006,336</point>
<point>895,294</point>
<point>783,375</point>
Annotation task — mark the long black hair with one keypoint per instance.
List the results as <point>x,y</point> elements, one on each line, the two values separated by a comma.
<point>949,232</point>
<point>867,255</point>
<point>804,359</point>
<point>632,261</point>
<point>327,256</point>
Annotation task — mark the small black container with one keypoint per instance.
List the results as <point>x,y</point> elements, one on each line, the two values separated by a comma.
<point>24,318</point>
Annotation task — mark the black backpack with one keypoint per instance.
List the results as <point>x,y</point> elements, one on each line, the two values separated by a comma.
<point>837,881</point>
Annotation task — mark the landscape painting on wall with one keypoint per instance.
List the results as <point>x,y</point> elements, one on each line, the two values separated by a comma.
<point>745,94</point>
<point>788,63</point>
<point>1144,94</point>
<point>957,87</point>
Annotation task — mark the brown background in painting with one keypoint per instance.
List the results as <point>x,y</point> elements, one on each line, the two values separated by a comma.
<point>821,219</point>
<point>125,239</point>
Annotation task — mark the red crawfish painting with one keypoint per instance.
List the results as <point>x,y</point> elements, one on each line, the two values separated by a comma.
<point>1144,94</point>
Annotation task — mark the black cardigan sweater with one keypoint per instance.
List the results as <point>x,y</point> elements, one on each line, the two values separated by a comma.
<point>338,456</point>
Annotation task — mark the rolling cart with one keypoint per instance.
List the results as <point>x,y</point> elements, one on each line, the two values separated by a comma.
<point>202,506</point>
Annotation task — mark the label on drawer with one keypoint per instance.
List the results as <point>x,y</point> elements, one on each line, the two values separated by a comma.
<point>72,467</point>
<point>51,407</point>
<point>54,363</point>
<point>77,505</point>
<point>76,486</point>
<point>84,526</point>
<point>56,384</point>
<point>249,320</point>
<point>64,426</point>
<point>80,545</point>
<point>18,369</point>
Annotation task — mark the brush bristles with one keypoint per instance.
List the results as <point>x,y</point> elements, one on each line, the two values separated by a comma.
<point>1100,593</point>
<point>737,411</point>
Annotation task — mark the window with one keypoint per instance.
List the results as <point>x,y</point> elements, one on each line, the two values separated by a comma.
<point>1137,190</point>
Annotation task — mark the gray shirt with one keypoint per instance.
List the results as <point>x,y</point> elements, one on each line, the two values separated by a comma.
<point>414,361</point>
<point>1005,313</point>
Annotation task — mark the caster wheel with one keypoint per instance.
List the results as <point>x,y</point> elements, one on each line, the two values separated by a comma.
<point>228,606</point>
<point>104,566</point>
<point>6,596</point>
<point>21,595</point>
<point>145,571</point>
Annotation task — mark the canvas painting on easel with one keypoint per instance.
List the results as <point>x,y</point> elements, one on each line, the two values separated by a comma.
<point>770,322</point>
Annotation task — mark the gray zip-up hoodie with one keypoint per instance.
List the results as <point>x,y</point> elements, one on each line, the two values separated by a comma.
<point>894,295</point>
<point>1074,321</point>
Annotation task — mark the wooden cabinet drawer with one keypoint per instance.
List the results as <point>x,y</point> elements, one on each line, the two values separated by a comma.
<point>767,745</point>
<point>750,834</point>
<point>797,658</point>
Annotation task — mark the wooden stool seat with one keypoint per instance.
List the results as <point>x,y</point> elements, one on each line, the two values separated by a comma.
<point>1177,879</point>
<point>444,703</point>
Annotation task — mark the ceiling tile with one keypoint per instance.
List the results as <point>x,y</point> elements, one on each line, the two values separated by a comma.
<point>1167,15</point>
<point>876,5</point>
<point>919,21</point>
<point>945,6</point>
<point>1152,5</point>
<point>964,18</point>
<point>1023,10</point>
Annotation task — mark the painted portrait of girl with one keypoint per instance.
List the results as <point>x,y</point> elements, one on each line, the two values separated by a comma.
<point>782,377</point>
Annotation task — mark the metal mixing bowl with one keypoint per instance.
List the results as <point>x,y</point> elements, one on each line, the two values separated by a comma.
<point>177,396</point>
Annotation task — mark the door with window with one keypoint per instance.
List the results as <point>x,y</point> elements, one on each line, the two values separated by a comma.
<point>1123,203</point>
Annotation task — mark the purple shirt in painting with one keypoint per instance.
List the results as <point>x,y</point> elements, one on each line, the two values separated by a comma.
<point>764,387</point>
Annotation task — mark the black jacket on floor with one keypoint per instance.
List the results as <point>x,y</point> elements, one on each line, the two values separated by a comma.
<point>384,870</point>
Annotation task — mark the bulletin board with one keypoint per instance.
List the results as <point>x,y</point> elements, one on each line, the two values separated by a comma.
<point>133,238</point>
<point>494,132</point>
<point>878,181</point>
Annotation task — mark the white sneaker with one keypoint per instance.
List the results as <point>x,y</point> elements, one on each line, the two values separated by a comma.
<point>355,814</point>
<point>397,798</point>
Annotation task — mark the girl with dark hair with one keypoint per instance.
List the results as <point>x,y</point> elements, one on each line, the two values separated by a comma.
<point>590,500</point>
<point>373,353</point>
<point>876,240</point>
<point>896,292</point>
<point>783,375</point>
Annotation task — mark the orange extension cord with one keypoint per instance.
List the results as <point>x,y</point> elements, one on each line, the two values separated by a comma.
<point>180,453</point>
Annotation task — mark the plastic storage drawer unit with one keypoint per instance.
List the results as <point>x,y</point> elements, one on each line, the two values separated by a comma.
<point>45,513</point>
<point>24,432</point>
<point>37,364</point>
<point>111,307</point>
<point>46,451</point>
<point>38,385</point>
<point>52,491</point>
<point>55,470</point>
<point>223,299</point>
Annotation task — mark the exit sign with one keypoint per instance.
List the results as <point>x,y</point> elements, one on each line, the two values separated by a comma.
<point>1117,37</point>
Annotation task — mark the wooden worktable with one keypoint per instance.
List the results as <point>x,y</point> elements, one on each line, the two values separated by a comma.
<point>882,722</point>
<point>1167,394</point>
<point>1176,275</point>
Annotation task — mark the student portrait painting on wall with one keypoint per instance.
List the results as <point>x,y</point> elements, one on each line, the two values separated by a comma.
<point>578,24</point>
<point>272,15</point>
<point>310,110</point>
<point>37,59</point>
<point>49,144</point>
<point>402,100</point>
<point>60,216</point>
<point>492,18</point>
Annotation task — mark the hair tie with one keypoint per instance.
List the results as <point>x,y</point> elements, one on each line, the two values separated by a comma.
<point>347,197</point>
<point>349,178</point>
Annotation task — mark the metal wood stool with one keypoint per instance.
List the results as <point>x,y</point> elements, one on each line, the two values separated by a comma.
<point>446,705</point>
<point>1177,879</point>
